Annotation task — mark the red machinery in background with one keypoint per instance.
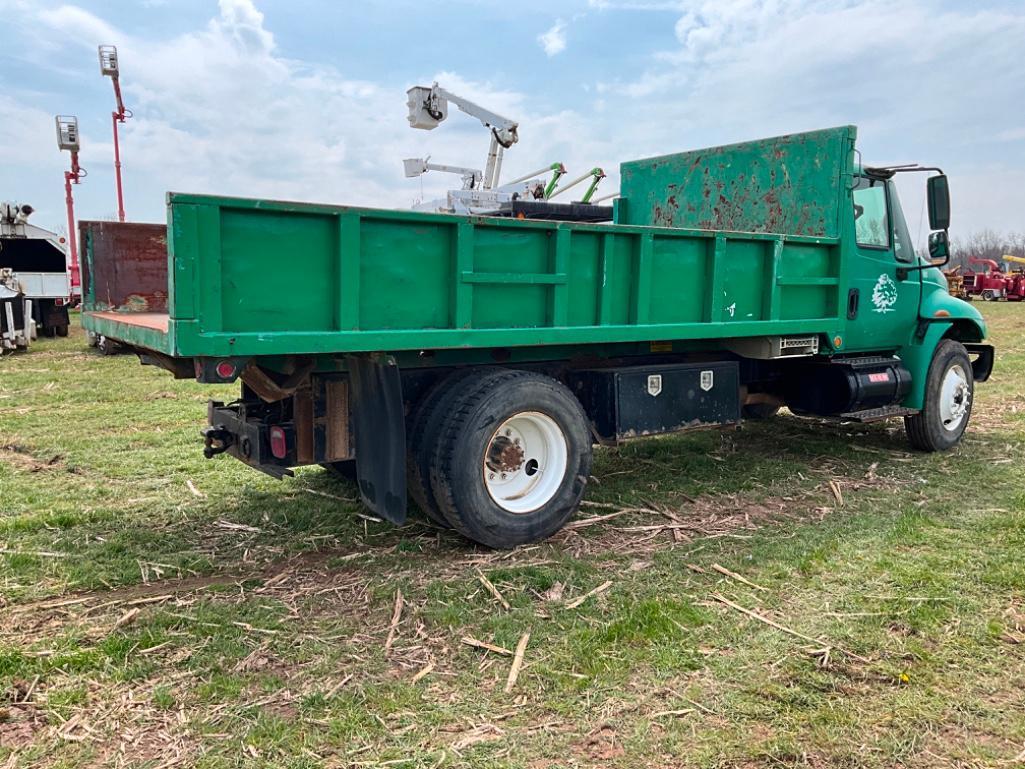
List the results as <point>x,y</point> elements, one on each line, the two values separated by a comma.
<point>992,284</point>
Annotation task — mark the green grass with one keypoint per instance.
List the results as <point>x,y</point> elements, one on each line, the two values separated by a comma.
<point>245,623</point>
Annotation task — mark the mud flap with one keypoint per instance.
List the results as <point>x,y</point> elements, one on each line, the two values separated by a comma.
<point>379,428</point>
<point>982,366</point>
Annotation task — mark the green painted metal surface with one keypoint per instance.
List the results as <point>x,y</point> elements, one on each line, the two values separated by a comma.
<point>265,278</point>
<point>255,277</point>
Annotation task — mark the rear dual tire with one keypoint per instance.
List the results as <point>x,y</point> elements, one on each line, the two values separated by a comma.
<point>507,453</point>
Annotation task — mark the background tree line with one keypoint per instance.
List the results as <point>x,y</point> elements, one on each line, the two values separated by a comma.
<point>985,244</point>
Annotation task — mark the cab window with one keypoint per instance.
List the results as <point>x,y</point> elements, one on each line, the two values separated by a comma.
<point>871,223</point>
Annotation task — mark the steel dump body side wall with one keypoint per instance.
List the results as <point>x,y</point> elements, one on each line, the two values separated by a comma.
<point>252,277</point>
<point>793,184</point>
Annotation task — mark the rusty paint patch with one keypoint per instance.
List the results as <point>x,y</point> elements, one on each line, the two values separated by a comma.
<point>124,266</point>
<point>785,185</point>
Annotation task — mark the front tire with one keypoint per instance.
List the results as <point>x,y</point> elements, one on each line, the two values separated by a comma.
<point>949,391</point>
<point>513,459</point>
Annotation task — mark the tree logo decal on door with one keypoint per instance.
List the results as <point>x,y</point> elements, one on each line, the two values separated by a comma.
<point>884,295</point>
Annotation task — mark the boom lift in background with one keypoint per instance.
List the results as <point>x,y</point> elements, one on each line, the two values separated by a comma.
<point>526,197</point>
<point>109,67</point>
<point>67,139</point>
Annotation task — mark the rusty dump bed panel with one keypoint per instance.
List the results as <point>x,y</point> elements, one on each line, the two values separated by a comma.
<point>124,280</point>
<point>124,266</point>
<point>789,185</point>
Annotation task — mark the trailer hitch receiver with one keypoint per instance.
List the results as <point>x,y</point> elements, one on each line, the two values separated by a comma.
<point>216,440</point>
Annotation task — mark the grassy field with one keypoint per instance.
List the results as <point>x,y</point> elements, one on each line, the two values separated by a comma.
<point>792,594</point>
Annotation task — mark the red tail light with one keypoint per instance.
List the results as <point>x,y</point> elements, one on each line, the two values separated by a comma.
<point>225,369</point>
<point>58,302</point>
<point>278,442</point>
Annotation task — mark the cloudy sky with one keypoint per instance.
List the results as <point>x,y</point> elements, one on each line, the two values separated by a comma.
<point>305,100</point>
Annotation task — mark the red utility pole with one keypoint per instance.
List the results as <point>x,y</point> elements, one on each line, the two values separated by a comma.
<point>67,139</point>
<point>109,67</point>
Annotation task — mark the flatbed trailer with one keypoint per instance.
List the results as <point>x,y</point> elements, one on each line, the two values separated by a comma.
<point>475,360</point>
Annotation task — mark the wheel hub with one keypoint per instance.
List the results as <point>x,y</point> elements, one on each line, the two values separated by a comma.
<point>525,462</point>
<point>505,455</point>
<point>955,398</point>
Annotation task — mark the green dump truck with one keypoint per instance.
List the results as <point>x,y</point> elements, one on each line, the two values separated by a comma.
<point>474,361</point>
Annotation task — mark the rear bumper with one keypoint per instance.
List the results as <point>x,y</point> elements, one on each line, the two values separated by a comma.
<point>982,365</point>
<point>246,438</point>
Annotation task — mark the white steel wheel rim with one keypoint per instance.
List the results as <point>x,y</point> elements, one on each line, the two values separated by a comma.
<point>525,462</point>
<point>955,398</point>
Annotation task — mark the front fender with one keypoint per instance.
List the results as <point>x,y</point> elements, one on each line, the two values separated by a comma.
<point>917,356</point>
<point>968,323</point>
<point>941,316</point>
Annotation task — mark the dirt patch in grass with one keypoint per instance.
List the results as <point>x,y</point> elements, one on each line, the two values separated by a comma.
<point>20,457</point>
<point>20,719</point>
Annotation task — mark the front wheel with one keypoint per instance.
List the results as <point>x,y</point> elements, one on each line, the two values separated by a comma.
<point>949,390</point>
<point>512,460</point>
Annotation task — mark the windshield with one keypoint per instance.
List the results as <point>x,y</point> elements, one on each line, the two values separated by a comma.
<point>903,248</point>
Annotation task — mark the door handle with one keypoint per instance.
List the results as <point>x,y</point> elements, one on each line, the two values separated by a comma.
<point>853,299</point>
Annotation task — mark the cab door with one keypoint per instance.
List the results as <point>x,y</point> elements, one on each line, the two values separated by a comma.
<point>882,300</point>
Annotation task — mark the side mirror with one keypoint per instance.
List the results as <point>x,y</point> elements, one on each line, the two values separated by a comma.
<point>938,193</point>
<point>939,245</point>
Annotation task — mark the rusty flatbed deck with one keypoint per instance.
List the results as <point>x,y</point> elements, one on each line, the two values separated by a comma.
<point>151,330</point>
<point>155,321</point>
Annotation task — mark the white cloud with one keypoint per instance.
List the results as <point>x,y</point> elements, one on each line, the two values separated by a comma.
<point>921,80</point>
<point>554,40</point>
<point>221,109</point>
<point>1011,135</point>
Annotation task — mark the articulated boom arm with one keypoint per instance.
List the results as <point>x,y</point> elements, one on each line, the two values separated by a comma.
<point>503,127</point>
<point>429,106</point>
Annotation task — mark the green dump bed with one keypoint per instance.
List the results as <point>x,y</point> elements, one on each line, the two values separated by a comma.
<point>233,276</point>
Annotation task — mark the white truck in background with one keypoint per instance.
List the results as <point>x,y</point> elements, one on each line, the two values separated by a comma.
<point>39,260</point>
<point>17,328</point>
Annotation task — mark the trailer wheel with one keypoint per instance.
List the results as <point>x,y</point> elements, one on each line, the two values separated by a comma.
<point>513,459</point>
<point>106,346</point>
<point>949,390</point>
<point>422,433</point>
